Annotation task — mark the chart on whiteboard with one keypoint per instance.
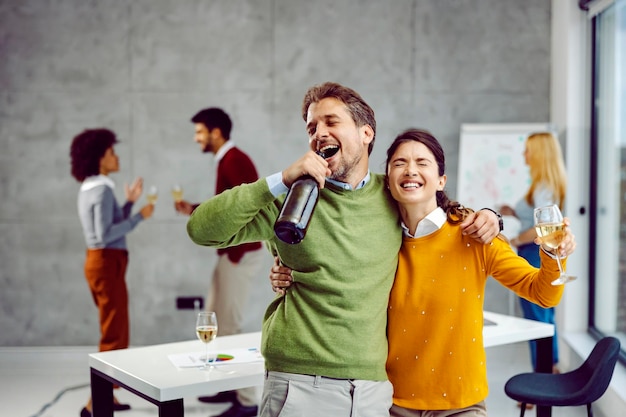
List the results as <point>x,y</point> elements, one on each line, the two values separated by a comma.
<point>492,171</point>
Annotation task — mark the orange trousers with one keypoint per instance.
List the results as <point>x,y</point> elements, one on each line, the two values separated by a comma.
<point>105,271</point>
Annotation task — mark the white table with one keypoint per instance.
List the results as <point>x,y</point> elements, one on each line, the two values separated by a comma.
<point>510,329</point>
<point>148,372</point>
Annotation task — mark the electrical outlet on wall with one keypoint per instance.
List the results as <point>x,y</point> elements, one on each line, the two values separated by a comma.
<point>189,303</point>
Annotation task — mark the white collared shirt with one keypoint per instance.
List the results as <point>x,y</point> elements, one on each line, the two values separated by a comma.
<point>227,146</point>
<point>276,186</point>
<point>95,180</point>
<point>429,224</point>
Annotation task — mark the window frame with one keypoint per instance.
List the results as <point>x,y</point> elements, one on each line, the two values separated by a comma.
<point>595,166</point>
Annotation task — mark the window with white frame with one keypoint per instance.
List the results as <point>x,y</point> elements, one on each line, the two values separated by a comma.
<point>608,184</point>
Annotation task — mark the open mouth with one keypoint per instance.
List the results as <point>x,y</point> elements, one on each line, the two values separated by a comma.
<point>328,151</point>
<point>410,185</point>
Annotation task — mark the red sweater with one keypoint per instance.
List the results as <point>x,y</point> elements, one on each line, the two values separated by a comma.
<point>235,168</point>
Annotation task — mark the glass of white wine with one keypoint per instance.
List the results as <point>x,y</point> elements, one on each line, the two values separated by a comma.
<point>177,193</point>
<point>206,330</point>
<point>152,195</point>
<point>551,229</point>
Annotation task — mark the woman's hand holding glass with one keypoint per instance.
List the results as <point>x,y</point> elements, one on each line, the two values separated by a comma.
<point>567,245</point>
<point>555,236</point>
<point>152,195</point>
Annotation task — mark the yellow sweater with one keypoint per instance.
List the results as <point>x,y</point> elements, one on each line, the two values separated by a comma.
<point>436,356</point>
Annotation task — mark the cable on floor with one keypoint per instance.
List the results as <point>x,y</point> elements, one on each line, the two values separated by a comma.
<point>58,397</point>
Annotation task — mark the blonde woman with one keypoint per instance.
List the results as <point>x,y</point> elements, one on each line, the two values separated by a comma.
<point>548,185</point>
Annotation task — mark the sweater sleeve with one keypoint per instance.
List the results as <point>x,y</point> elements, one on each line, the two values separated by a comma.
<point>106,229</point>
<point>515,273</point>
<point>242,214</point>
<point>127,209</point>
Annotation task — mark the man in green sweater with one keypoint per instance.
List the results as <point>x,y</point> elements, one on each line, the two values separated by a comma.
<point>324,342</point>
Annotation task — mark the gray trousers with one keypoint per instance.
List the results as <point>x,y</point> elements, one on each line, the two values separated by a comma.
<point>295,395</point>
<point>228,297</point>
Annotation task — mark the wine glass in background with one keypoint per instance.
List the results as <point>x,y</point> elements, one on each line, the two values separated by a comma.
<point>152,195</point>
<point>206,330</point>
<point>550,228</point>
<point>177,193</point>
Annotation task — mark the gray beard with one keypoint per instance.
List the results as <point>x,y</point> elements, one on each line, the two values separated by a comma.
<point>343,172</point>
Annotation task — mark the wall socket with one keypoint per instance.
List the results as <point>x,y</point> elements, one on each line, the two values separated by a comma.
<point>190,303</point>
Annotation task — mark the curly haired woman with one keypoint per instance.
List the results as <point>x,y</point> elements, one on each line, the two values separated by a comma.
<point>105,225</point>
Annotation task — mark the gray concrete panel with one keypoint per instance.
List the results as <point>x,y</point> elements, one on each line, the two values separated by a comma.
<point>144,67</point>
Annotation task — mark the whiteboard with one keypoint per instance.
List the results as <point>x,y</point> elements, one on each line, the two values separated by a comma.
<point>492,171</point>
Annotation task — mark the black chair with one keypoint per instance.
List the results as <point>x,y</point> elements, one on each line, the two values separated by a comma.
<point>581,386</point>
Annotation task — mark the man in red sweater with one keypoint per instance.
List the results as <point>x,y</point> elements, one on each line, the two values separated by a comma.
<point>237,265</point>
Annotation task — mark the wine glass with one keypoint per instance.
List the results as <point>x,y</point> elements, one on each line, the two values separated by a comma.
<point>206,330</point>
<point>550,227</point>
<point>177,193</point>
<point>152,195</point>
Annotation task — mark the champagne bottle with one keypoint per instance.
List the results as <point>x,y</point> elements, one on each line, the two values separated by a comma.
<point>295,215</point>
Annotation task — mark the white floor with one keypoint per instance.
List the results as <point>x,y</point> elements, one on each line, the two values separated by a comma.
<point>53,382</point>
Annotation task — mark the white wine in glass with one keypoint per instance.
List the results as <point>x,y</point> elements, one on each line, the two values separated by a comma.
<point>206,330</point>
<point>177,193</point>
<point>152,195</point>
<point>551,229</point>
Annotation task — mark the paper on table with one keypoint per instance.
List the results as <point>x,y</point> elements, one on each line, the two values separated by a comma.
<point>227,357</point>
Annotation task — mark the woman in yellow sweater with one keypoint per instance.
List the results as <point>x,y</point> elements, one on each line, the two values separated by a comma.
<point>436,358</point>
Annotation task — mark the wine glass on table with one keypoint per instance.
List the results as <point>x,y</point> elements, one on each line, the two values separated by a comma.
<point>206,330</point>
<point>152,195</point>
<point>551,229</point>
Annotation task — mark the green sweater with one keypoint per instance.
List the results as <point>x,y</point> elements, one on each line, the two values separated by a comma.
<point>332,321</point>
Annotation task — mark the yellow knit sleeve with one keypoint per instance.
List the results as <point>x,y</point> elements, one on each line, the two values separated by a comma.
<point>515,273</point>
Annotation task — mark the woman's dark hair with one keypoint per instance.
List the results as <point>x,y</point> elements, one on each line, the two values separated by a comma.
<point>455,212</point>
<point>86,151</point>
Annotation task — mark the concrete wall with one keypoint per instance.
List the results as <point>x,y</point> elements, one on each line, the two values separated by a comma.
<point>144,67</point>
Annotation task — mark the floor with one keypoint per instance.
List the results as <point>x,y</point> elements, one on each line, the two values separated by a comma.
<point>53,382</point>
